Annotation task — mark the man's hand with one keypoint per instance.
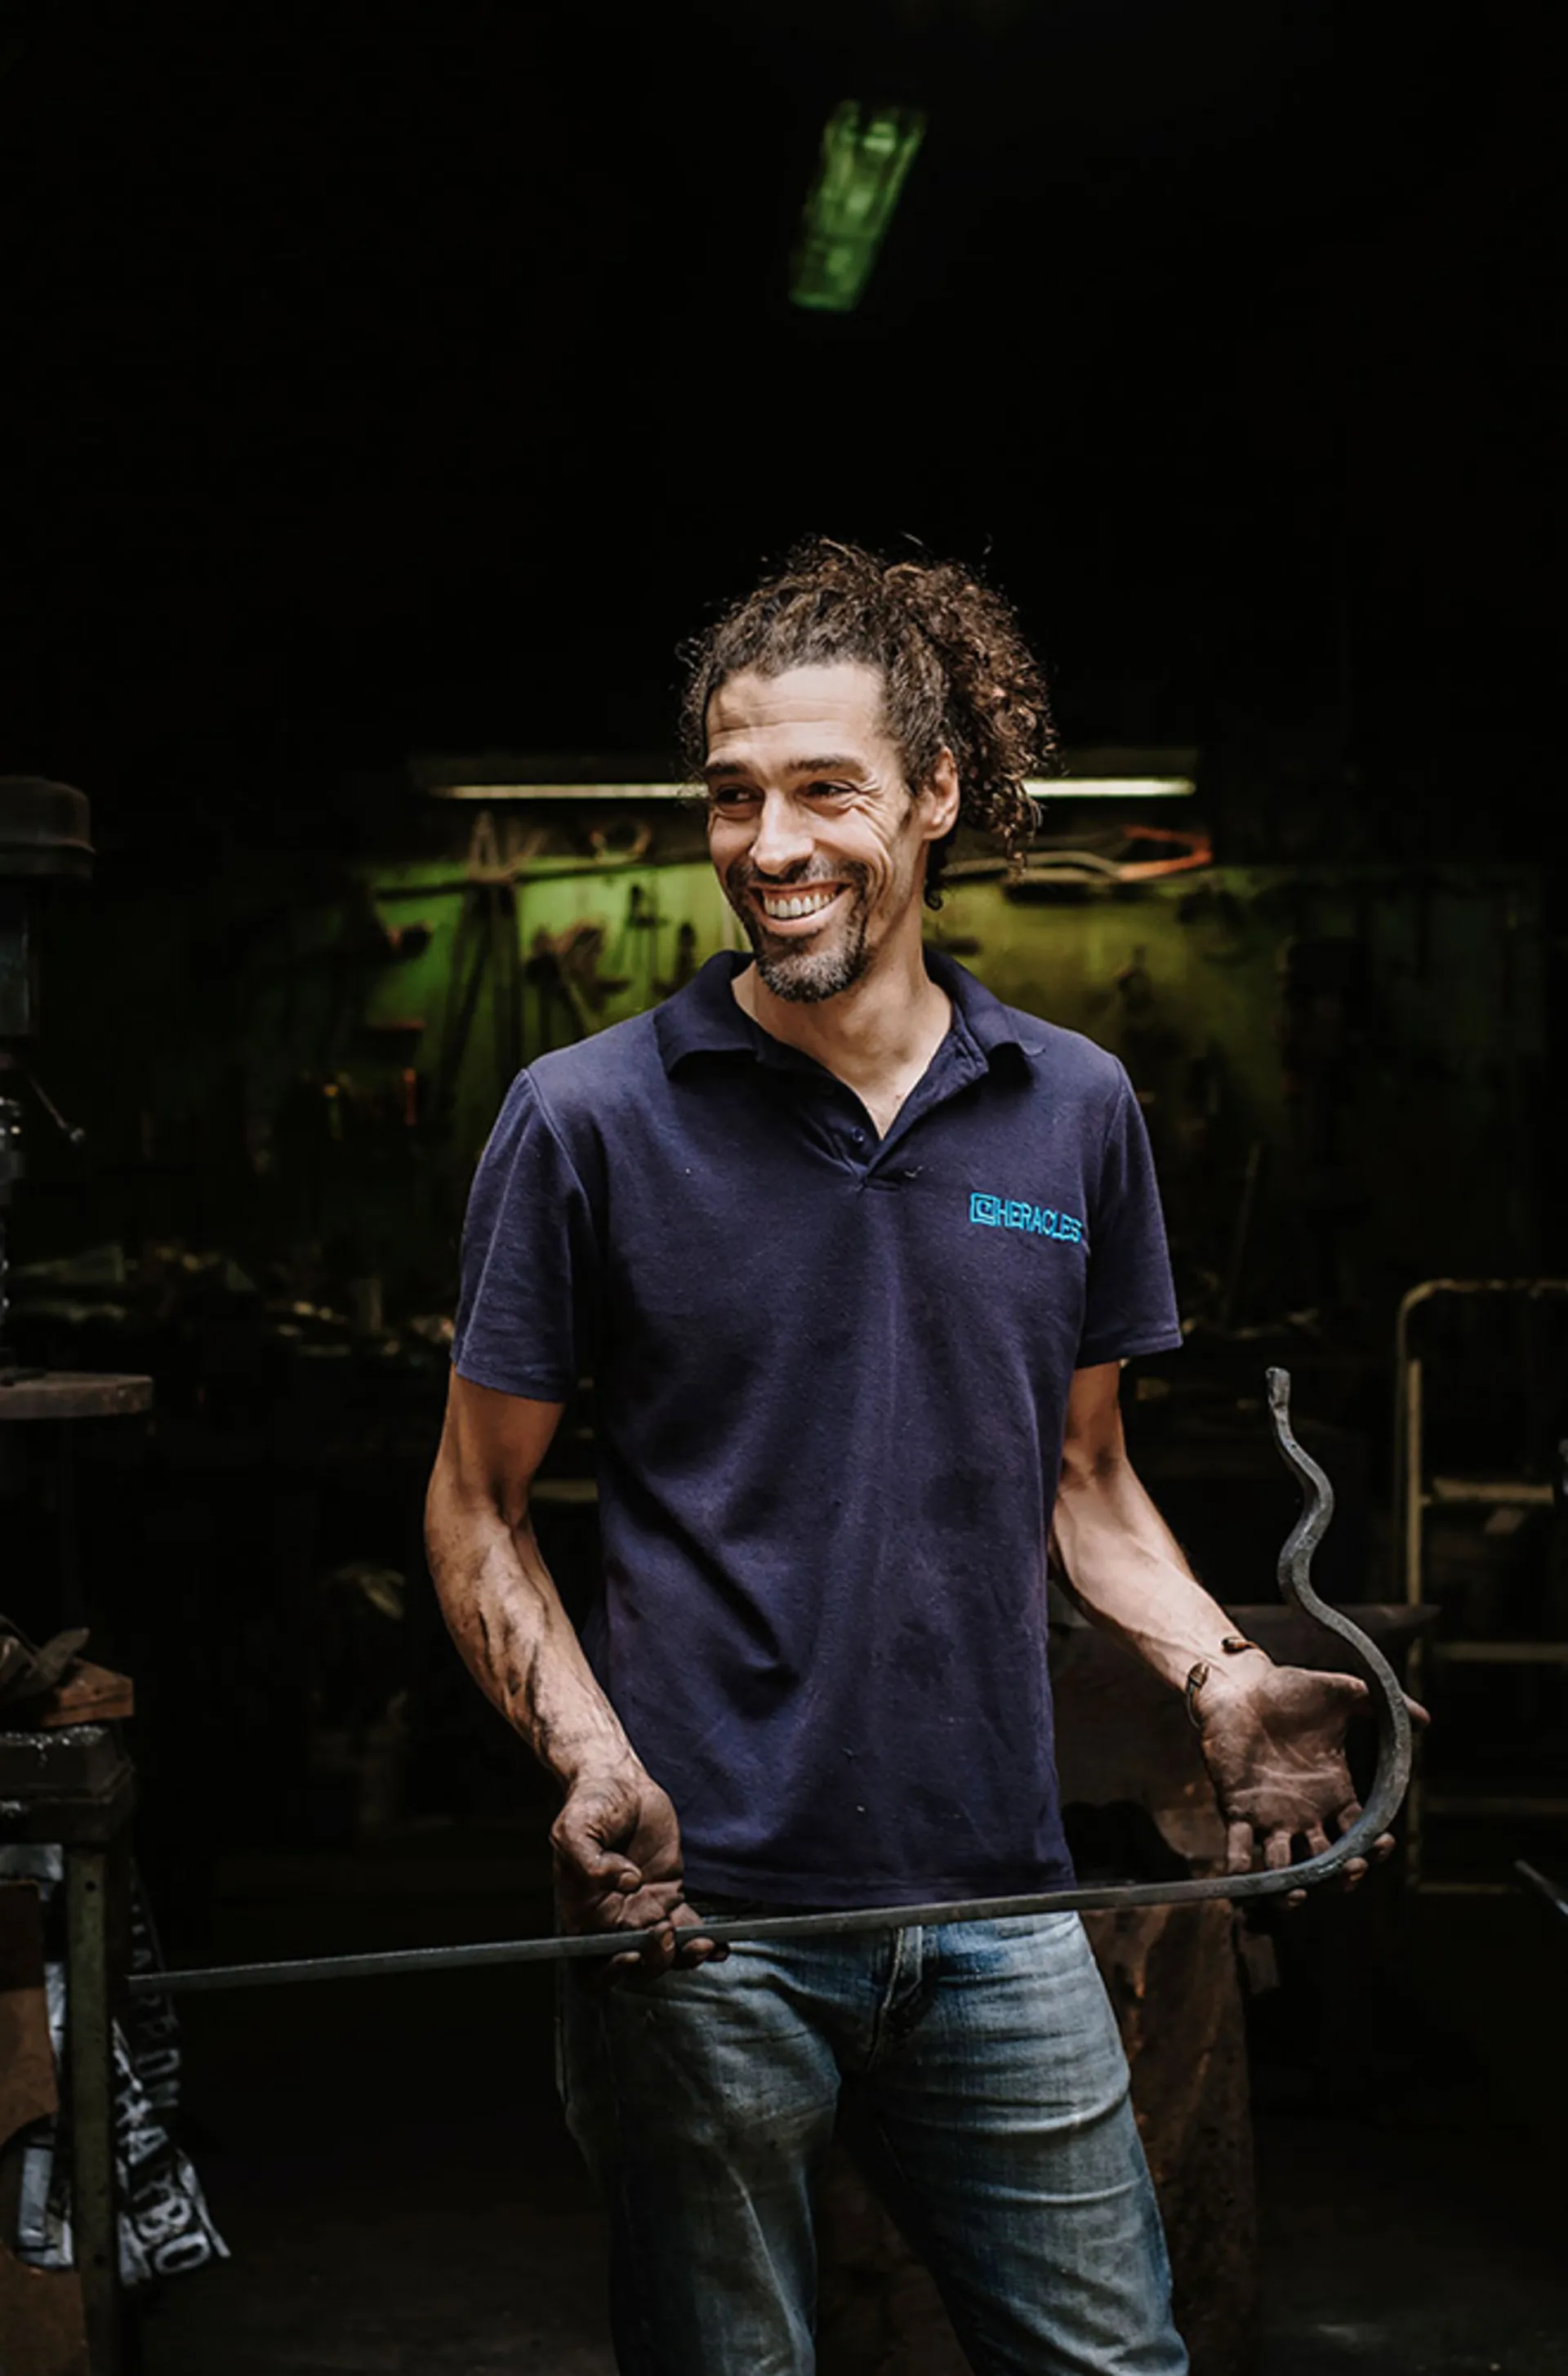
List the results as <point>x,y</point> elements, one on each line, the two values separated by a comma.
<point>1273,1739</point>
<point>618,1868</point>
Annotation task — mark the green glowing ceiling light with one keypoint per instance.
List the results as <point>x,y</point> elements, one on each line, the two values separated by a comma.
<point>866,154</point>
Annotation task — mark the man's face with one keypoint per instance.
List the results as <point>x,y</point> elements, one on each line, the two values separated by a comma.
<point>813,832</point>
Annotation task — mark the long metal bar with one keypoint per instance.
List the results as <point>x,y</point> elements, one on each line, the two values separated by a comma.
<point>1382,1804</point>
<point>1551,1892</point>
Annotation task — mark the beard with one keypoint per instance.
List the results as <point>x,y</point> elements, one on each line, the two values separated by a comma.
<point>805,971</point>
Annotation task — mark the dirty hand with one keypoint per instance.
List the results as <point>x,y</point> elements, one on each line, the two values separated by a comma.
<point>1273,1738</point>
<point>617,1849</point>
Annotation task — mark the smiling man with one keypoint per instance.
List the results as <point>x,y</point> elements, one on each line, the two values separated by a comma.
<point>854,1254</point>
<point>824,875</point>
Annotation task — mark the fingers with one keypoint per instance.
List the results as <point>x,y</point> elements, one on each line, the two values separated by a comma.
<point>1239,1844</point>
<point>699,1950</point>
<point>1358,1868</point>
<point>1238,1848</point>
<point>599,1892</point>
<point>576,1843</point>
<point>681,1943</point>
<point>692,1951</point>
<point>666,1952</point>
<point>1279,1840</point>
<point>656,1918</point>
<point>674,1940</point>
<point>659,1952</point>
<point>1419,1717</point>
<point>649,1961</point>
<point>1277,1858</point>
<point>618,1870</point>
<point>1382,1847</point>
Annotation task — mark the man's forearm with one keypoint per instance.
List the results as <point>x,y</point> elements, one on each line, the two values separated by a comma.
<point>504,1614</point>
<point>1127,1572</point>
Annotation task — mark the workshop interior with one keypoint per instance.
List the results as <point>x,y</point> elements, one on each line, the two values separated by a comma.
<point>389,399</point>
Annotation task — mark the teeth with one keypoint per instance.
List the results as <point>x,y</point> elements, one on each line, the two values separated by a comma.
<point>808,903</point>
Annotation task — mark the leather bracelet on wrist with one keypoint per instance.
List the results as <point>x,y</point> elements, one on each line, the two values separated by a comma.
<point>1199,1671</point>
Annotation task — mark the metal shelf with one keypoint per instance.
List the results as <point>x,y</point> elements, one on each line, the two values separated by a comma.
<point>1461,1888</point>
<point>1486,1493</point>
<point>1500,1654</point>
<point>1519,1806</point>
<point>1416,1495</point>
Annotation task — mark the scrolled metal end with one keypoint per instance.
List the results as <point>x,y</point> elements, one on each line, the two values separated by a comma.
<point>1317,1493</point>
<point>1393,1773</point>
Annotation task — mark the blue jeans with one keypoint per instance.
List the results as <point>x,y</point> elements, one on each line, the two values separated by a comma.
<point>983,2085</point>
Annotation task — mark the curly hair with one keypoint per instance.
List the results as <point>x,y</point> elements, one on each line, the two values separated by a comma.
<point>955,670</point>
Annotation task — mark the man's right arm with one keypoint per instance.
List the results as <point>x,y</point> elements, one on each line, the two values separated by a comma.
<point>616,1840</point>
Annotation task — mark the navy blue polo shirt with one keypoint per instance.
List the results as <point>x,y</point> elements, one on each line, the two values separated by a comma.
<point>832,1376</point>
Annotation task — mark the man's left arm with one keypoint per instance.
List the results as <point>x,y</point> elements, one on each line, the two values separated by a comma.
<point>1273,1738</point>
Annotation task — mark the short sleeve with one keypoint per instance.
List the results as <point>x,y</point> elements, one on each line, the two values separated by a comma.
<point>1130,1306</point>
<point>530,1260</point>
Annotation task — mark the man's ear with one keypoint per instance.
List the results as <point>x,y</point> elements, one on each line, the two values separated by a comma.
<point>940,797</point>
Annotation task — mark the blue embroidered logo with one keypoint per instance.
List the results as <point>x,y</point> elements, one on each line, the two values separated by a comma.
<point>1004,1213</point>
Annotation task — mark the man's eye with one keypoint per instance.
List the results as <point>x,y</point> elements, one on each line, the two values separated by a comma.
<point>829,792</point>
<point>733,796</point>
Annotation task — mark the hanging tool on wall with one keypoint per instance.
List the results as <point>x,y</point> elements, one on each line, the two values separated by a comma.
<point>486,940</point>
<point>688,960</point>
<point>636,950</point>
<point>1058,866</point>
<point>572,993</point>
<point>1382,1804</point>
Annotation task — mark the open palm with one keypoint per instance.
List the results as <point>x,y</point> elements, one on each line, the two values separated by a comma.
<point>1274,1743</point>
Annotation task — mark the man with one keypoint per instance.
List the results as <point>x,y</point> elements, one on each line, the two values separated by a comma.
<point>855,1253</point>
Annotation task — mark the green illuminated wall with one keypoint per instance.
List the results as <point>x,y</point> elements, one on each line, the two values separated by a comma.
<point>640,908</point>
<point>242,1086</point>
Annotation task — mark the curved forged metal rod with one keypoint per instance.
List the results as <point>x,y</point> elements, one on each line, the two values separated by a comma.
<point>1392,1779</point>
<point>1383,1801</point>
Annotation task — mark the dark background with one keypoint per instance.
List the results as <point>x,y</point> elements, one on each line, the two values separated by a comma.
<point>415,379</point>
<point>417,382</point>
<point>412,380</point>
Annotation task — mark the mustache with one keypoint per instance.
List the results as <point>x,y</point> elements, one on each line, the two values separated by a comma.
<point>743,876</point>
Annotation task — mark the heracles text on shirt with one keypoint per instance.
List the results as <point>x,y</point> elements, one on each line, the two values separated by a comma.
<point>1041,1221</point>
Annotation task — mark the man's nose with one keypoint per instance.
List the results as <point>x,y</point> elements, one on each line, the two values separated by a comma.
<point>783,835</point>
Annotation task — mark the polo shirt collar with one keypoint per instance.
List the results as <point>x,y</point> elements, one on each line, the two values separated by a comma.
<point>989,1023</point>
<point>704,1018</point>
